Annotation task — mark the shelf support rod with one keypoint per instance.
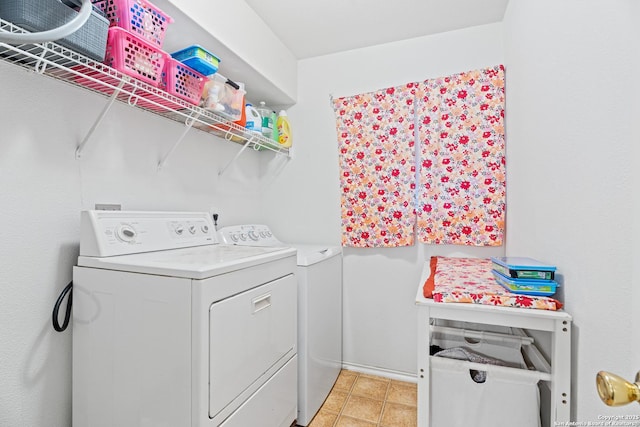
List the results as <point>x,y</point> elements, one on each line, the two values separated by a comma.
<point>244,147</point>
<point>188,123</point>
<point>41,65</point>
<point>99,119</point>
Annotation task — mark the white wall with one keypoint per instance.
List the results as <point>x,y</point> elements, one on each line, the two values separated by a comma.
<point>304,203</point>
<point>43,189</point>
<point>572,104</point>
<point>249,51</point>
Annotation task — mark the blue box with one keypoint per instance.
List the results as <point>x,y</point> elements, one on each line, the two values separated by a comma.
<point>523,268</point>
<point>526,286</point>
<point>199,59</point>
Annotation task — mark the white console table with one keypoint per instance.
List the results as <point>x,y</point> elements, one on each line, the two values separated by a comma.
<point>558,323</point>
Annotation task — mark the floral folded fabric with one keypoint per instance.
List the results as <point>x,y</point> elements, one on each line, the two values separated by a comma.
<point>469,280</point>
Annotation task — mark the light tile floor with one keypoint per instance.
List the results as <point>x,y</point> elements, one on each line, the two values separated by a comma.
<point>361,400</point>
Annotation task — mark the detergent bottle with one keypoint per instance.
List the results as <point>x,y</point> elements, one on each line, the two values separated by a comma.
<point>274,134</point>
<point>284,130</point>
<point>267,120</point>
<point>254,119</point>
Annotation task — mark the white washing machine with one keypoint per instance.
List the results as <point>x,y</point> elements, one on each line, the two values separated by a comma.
<point>172,328</point>
<point>319,313</point>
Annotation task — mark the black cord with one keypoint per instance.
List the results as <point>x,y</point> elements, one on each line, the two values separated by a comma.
<point>56,308</point>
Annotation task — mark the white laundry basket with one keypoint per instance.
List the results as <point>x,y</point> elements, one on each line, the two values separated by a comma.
<point>500,329</point>
<point>509,396</point>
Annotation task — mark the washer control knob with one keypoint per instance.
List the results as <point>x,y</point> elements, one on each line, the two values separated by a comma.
<point>179,230</point>
<point>192,229</point>
<point>253,235</point>
<point>243,236</point>
<point>126,233</point>
<point>205,229</point>
<point>234,237</point>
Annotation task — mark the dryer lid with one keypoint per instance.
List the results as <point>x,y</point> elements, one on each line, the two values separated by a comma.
<point>195,263</point>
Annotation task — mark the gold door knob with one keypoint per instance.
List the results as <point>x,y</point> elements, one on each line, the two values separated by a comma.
<point>615,390</point>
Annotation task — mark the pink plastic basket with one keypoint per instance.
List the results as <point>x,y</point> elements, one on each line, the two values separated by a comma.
<point>134,56</point>
<point>95,80</point>
<point>182,81</point>
<point>138,16</point>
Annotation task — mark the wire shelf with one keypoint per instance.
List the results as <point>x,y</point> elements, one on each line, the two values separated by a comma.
<point>60,63</point>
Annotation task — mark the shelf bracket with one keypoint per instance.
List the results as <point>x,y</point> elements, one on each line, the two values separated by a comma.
<point>188,123</point>
<point>244,147</point>
<point>133,98</point>
<point>41,66</point>
<point>99,119</point>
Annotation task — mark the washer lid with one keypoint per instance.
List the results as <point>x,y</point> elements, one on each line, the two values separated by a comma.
<point>194,263</point>
<point>312,254</point>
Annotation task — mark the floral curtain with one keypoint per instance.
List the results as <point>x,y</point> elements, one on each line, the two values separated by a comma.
<point>461,193</point>
<point>377,167</point>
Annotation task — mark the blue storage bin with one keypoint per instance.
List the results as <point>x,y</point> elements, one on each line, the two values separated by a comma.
<point>199,59</point>
<point>526,286</point>
<point>523,268</point>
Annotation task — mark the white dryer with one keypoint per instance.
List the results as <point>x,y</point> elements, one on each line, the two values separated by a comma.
<point>171,328</point>
<point>319,274</point>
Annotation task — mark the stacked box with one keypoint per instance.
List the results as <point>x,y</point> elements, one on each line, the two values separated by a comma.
<point>525,275</point>
<point>134,56</point>
<point>139,17</point>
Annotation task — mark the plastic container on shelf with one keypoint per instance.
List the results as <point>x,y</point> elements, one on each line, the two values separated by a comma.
<point>267,119</point>
<point>134,56</point>
<point>211,98</point>
<point>224,97</point>
<point>284,130</point>
<point>254,119</point>
<point>138,16</point>
<point>182,81</point>
<point>232,133</point>
<point>199,59</point>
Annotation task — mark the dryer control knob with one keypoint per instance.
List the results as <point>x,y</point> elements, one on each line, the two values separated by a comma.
<point>234,237</point>
<point>253,235</point>
<point>243,236</point>
<point>205,229</point>
<point>192,229</point>
<point>126,233</point>
<point>179,230</point>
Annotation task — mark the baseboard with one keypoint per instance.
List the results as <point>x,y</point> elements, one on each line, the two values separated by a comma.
<point>380,372</point>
